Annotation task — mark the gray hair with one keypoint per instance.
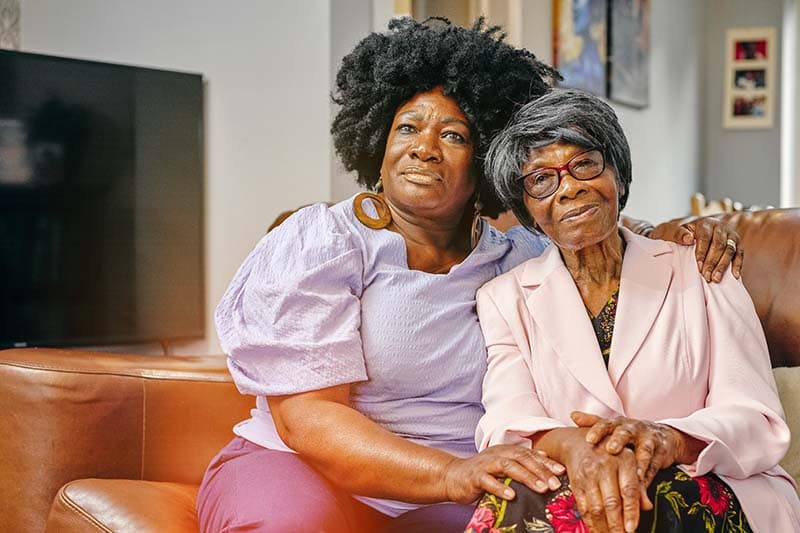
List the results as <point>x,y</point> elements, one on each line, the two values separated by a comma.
<point>564,115</point>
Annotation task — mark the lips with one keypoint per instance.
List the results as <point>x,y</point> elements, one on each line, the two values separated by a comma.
<point>577,212</point>
<point>420,176</point>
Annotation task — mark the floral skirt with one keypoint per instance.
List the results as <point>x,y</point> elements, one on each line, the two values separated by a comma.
<point>680,504</point>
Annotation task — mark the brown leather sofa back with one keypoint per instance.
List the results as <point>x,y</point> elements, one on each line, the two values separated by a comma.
<point>771,273</point>
<point>67,414</point>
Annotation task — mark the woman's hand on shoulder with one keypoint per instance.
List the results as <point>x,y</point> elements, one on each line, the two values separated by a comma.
<point>466,479</point>
<point>717,243</point>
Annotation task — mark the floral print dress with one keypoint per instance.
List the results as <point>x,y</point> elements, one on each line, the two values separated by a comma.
<point>680,503</point>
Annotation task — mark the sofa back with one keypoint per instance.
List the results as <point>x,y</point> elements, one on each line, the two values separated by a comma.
<point>771,274</point>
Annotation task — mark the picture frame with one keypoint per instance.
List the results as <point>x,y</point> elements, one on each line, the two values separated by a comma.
<point>580,44</point>
<point>749,92</point>
<point>629,52</point>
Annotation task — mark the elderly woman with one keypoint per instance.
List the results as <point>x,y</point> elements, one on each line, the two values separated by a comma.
<point>621,337</point>
<point>354,325</point>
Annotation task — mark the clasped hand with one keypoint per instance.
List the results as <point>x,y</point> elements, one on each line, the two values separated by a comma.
<point>611,468</point>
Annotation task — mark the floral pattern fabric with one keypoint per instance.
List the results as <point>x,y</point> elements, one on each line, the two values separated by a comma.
<point>603,325</point>
<point>680,504</point>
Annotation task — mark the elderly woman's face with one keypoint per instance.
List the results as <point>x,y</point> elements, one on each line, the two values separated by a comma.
<point>428,157</point>
<point>579,213</point>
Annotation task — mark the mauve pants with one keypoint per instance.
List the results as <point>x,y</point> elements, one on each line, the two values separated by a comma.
<point>250,488</point>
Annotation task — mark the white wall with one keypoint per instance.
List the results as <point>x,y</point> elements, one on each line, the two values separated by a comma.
<point>790,105</point>
<point>666,139</point>
<point>793,169</point>
<point>266,65</point>
<point>351,21</point>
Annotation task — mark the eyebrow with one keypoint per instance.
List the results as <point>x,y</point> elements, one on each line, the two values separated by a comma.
<point>451,120</point>
<point>416,115</point>
<point>536,164</point>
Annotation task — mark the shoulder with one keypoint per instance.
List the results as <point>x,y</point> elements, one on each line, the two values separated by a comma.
<point>311,238</point>
<point>318,223</point>
<point>504,286</point>
<point>677,253</point>
<point>680,258</point>
<point>311,217</point>
<point>524,245</point>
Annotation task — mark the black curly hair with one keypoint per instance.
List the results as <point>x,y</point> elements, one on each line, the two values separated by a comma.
<point>488,78</point>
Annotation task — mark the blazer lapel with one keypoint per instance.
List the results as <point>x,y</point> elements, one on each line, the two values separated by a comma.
<point>646,276</point>
<point>557,308</point>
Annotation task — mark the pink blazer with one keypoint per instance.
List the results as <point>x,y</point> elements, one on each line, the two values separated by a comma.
<point>685,352</point>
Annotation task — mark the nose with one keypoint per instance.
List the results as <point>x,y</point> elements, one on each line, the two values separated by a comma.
<point>569,187</point>
<point>426,147</point>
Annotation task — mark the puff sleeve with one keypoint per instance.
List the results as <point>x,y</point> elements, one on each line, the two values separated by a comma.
<point>289,321</point>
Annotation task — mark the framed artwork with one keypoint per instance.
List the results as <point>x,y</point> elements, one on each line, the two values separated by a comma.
<point>749,95</point>
<point>629,47</point>
<point>580,43</point>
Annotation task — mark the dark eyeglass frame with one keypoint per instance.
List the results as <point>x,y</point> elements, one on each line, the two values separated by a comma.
<point>558,170</point>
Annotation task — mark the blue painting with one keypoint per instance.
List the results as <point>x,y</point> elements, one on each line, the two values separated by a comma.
<point>580,39</point>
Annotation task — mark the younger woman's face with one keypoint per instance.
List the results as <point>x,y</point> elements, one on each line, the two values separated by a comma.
<point>427,163</point>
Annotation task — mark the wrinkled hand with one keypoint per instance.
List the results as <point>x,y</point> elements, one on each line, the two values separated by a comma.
<point>467,479</point>
<point>712,251</point>
<point>656,446</point>
<point>606,488</point>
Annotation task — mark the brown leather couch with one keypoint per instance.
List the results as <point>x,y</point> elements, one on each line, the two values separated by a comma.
<point>108,442</point>
<point>112,442</point>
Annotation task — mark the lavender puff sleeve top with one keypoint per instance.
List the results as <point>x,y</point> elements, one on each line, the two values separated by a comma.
<point>323,300</point>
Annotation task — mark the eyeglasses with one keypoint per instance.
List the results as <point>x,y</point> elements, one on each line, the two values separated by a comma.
<point>544,181</point>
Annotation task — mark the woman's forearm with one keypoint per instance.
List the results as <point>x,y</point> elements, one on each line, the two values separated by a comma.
<point>360,456</point>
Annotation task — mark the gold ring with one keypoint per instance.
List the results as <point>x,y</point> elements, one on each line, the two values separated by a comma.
<point>731,244</point>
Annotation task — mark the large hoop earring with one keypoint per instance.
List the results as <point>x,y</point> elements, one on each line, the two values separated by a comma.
<point>384,215</point>
<point>477,223</point>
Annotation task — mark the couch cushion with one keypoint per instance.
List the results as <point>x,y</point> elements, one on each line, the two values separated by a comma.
<point>788,381</point>
<point>123,505</point>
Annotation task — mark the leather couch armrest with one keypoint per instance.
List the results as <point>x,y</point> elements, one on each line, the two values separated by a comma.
<point>69,414</point>
<point>124,506</point>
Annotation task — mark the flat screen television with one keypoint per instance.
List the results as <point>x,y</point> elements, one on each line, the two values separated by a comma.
<point>101,203</point>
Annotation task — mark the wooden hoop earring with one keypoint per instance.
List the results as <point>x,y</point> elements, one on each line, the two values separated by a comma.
<point>384,215</point>
<point>477,223</point>
<point>476,230</point>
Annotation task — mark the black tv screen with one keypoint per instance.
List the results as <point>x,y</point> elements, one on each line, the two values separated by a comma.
<point>101,203</point>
